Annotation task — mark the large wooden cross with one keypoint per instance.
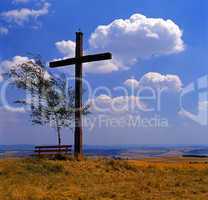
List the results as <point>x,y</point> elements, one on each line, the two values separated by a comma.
<point>78,61</point>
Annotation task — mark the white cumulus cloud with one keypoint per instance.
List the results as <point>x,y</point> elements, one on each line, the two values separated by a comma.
<point>137,38</point>
<point>5,65</point>
<point>24,15</point>
<point>157,80</point>
<point>132,83</point>
<point>130,40</point>
<point>101,67</point>
<point>67,48</point>
<point>8,64</point>
<point>116,105</point>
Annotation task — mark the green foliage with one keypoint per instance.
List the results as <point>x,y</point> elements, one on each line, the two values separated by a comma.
<point>52,101</point>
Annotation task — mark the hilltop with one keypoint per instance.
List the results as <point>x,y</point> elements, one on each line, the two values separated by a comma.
<point>102,179</point>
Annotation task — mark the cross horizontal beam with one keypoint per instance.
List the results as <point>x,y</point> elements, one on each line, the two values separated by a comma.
<point>83,59</point>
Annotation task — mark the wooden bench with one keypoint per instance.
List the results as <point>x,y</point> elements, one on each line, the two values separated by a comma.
<point>52,150</point>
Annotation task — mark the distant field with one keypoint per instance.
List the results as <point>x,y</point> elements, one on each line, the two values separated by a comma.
<point>128,151</point>
<point>172,163</point>
<point>104,179</point>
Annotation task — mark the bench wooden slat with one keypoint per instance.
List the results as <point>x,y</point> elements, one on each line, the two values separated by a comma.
<point>52,150</point>
<point>47,154</point>
<point>46,147</point>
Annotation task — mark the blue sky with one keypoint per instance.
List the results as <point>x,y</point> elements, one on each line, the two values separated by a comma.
<point>56,21</point>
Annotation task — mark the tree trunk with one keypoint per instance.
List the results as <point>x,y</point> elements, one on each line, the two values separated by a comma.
<point>58,128</point>
<point>59,135</point>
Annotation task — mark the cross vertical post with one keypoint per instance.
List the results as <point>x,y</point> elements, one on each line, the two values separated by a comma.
<point>78,151</point>
<point>78,60</point>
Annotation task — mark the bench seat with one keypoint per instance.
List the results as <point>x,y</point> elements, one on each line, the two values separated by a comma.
<point>53,150</point>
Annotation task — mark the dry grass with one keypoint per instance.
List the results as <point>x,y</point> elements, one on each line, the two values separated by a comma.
<point>102,179</point>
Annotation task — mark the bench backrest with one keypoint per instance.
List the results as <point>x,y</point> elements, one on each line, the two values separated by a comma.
<point>54,146</point>
<point>53,149</point>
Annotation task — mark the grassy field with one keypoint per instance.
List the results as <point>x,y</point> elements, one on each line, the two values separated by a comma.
<point>103,179</point>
